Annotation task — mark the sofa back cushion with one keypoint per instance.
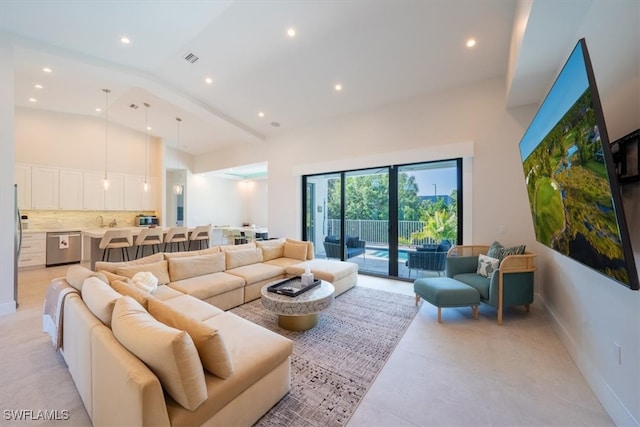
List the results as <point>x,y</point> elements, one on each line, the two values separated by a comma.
<point>113,266</point>
<point>76,275</point>
<point>124,288</point>
<point>193,266</point>
<point>310,250</point>
<point>295,251</point>
<point>245,246</point>
<point>270,252</point>
<point>169,352</point>
<point>239,258</point>
<point>211,250</point>
<point>158,269</point>
<point>208,341</point>
<point>100,299</point>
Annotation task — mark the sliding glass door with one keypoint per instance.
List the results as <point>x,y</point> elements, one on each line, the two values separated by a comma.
<point>385,218</point>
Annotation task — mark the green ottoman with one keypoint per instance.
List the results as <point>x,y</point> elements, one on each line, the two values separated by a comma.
<point>446,292</point>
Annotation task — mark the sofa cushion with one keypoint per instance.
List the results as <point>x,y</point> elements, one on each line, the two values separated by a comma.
<point>158,269</point>
<point>243,257</point>
<point>229,248</point>
<point>208,341</point>
<point>254,273</point>
<point>352,241</point>
<point>324,269</point>
<point>113,276</point>
<point>310,250</point>
<point>76,275</point>
<point>165,292</point>
<point>199,265</point>
<point>295,251</point>
<point>209,285</point>
<point>211,250</point>
<point>475,280</point>
<point>195,308</point>
<point>283,262</point>
<point>100,298</point>
<point>169,352</point>
<point>487,265</point>
<point>332,239</point>
<point>270,252</point>
<point>112,266</point>
<point>132,291</point>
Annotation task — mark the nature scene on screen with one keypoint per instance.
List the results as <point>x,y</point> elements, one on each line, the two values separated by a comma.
<point>570,194</point>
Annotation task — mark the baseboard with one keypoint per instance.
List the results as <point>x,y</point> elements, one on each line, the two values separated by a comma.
<point>7,308</point>
<point>607,397</point>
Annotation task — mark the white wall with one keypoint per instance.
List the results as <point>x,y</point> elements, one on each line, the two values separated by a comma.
<point>592,313</point>
<point>74,141</point>
<point>7,180</point>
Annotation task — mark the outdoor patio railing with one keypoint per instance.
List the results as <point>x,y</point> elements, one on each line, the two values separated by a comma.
<point>376,232</point>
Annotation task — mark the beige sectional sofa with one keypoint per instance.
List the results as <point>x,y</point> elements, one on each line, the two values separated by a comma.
<point>173,356</point>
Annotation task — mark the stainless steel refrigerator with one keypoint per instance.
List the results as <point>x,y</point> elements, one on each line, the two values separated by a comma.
<point>17,243</point>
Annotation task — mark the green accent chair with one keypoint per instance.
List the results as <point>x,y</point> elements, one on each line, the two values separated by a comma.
<point>510,285</point>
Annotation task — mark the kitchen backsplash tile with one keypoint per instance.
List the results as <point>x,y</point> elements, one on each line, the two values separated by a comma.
<point>79,219</point>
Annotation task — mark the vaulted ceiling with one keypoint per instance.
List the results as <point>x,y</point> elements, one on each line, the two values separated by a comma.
<point>380,51</point>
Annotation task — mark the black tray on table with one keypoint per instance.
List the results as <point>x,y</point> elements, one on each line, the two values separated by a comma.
<point>292,287</point>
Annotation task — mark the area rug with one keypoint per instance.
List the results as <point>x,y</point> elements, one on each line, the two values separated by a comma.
<point>334,364</point>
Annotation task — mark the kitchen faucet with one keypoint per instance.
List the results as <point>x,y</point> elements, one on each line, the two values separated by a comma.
<point>113,223</point>
<point>99,218</point>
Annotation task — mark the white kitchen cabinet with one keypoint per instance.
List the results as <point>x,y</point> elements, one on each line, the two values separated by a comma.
<point>71,189</point>
<point>34,250</point>
<point>114,195</point>
<point>23,179</point>
<point>44,187</point>
<point>93,191</point>
<point>133,192</point>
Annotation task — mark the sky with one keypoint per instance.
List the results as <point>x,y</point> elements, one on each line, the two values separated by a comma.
<point>570,84</point>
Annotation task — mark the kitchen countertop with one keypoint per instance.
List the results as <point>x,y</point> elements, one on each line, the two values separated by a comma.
<point>51,230</point>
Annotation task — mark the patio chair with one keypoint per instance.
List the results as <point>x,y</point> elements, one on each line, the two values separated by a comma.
<point>429,258</point>
<point>353,247</point>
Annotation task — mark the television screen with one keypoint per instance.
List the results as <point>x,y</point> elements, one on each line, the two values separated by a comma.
<point>570,176</point>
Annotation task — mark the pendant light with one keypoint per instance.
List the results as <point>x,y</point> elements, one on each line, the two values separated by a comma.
<point>105,182</point>
<point>178,188</point>
<point>145,186</point>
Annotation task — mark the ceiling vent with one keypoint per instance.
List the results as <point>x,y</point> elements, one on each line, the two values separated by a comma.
<point>191,57</point>
<point>134,106</point>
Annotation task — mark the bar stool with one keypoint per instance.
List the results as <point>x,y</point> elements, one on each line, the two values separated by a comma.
<point>176,235</point>
<point>200,234</point>
<point>116,239</point>
<point>149,237</point>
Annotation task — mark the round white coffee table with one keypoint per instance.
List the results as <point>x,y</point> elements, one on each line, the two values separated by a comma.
<point>299,313</point>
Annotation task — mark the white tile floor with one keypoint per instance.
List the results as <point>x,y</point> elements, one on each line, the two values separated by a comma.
<point>466,372</point>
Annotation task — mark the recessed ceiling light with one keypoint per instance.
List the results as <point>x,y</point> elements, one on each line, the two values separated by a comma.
<point>37,86</point>
<point>125,40</point>
<point>33,100</point>
<point>208,80</point>
<point>98,109</point>
<point>148,127</point>
<point>471,42</point>
<point>338,87</point>
<point>46,69</point>
<point>261,114</point>
<point>291,32</point>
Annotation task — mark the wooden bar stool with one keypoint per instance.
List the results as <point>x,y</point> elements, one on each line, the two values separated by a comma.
<point>176,235</point>
<point>200,234</point>
<point>149,237</point>
<point>116,239</point>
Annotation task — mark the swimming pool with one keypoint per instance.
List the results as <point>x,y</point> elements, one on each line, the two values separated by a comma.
<point>384,253</point>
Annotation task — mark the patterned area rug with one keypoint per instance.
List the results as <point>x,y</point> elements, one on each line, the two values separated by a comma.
<point>334,364</point>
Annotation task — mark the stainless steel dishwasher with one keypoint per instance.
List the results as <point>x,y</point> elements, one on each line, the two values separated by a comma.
<point>64,247</point>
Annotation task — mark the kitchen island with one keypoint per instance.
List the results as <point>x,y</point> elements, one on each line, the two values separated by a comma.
<point>91,242</point>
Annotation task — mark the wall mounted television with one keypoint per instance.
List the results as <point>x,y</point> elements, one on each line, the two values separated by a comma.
<point>571,178</point>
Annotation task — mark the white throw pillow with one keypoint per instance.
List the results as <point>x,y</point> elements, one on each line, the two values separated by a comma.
<point>486,265</point>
